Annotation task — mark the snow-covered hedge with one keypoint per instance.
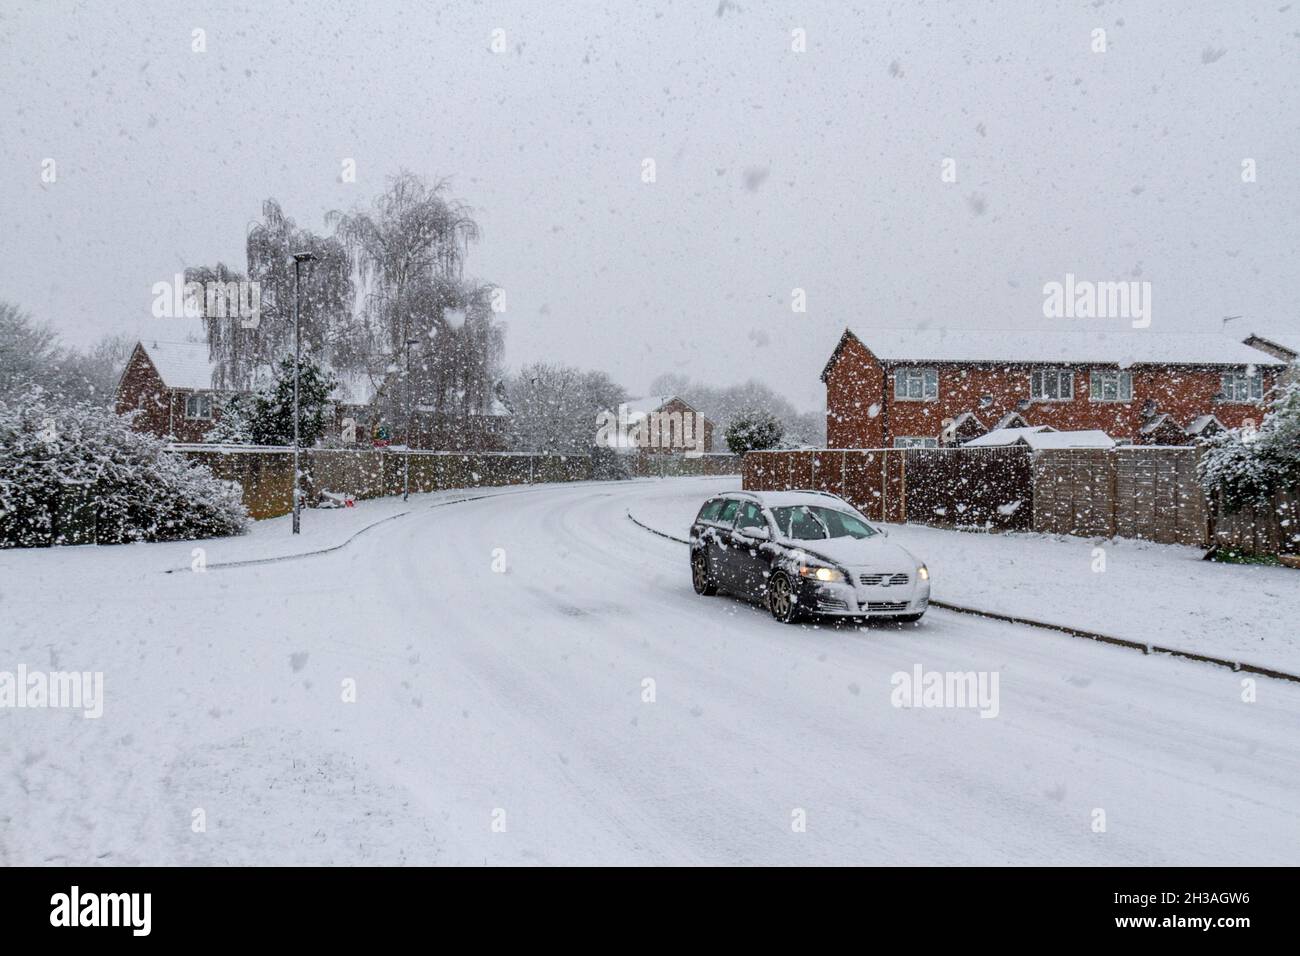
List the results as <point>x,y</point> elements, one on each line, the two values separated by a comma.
<point>1248,467</point>
<point>80,473</point>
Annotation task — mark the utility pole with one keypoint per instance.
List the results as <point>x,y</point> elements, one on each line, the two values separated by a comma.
<point>406,458</point>
<point>298,259</point>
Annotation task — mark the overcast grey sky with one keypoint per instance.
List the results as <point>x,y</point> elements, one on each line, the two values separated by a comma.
<point>775,169</point>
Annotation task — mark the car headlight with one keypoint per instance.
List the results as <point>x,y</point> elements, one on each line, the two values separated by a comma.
<point>821,573</point>
<point>923,573</point>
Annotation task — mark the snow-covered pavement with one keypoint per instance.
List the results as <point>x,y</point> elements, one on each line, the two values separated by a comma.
<point>504,717</point>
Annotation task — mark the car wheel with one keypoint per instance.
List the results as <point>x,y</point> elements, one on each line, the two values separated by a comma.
<point>702,575</point>
<point>909,618</point>
<point>781,599</point>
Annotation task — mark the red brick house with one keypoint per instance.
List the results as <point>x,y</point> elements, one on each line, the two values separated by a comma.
<point>671,426</point>
<point>922,388</point>
<point>170,384</point>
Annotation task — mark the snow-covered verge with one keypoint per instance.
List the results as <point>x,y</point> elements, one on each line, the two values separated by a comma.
<point>1154,593</point>
<point>536,682</point>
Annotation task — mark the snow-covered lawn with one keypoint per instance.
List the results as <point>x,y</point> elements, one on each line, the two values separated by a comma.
<point>584,705</point>
<point>1154,593</point>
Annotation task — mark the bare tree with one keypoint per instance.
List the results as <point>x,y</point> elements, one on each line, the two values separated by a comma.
<point>28,350</point>
<point>554,408</point>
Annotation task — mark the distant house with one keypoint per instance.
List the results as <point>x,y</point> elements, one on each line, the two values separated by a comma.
<point>668,423</point>
<point>170,385</point>
<point>926,388</point>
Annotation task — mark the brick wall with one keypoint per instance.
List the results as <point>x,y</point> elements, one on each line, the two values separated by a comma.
<point>266,474</point>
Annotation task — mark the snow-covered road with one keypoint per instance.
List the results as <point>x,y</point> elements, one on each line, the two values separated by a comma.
<point>502,717</point>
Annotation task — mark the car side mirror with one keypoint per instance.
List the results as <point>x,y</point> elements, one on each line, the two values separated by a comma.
<point>761,532</point>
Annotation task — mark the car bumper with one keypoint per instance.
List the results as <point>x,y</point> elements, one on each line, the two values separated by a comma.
<point>844,600</point>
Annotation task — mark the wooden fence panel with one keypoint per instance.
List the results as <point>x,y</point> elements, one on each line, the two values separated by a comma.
<point>989,488</point>
<point>1262,530</point>
<point>1074,491</point>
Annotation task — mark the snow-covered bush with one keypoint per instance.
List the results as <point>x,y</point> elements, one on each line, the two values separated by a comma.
<point>80,473</point>
<point>1243,467</point>
<point>754,432</point>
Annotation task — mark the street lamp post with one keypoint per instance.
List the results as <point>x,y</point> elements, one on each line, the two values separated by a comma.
<point>298,259</point>
<point>406,458</point>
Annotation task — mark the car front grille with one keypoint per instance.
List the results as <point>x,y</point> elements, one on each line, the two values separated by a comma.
<point>892,580</point>
<point>884,606</point>
<point>825,603</point>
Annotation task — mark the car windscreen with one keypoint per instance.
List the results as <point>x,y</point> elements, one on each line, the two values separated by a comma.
<point>812,523</point>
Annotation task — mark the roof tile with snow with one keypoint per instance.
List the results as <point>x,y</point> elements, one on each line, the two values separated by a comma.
<point>1020,346</point>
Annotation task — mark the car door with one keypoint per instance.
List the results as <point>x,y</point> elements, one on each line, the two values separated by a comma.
<point>717,537</point>
<point>750,554</point>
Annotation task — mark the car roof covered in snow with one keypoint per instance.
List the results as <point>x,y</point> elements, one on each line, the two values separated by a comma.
<point>788,499</point>
<point>1103,347</point>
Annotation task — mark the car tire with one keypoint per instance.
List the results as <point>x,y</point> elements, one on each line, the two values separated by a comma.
<point>702,575</point>
<point>782,601</point>
<point>909,618</point>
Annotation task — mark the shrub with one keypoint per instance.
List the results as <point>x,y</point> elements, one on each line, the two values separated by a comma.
<point>1243,468</point>
<point>80,474</point>
<point>754,433</point>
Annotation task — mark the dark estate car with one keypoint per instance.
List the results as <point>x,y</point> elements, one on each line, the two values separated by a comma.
<point>803,553</point>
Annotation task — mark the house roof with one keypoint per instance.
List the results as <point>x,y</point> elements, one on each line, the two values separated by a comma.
<point>1042,436</point>
<point>1021,346</point>
<point>1157,422</point>
<point>1006,420</point>
<point>180,364</point>
<point>1006,436</point>
<point>955,425</point>
<point>1079,439</point>
<point>1278,344</point>
<point>1201,422</point>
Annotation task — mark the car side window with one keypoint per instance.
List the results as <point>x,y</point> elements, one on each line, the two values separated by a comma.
<point>751,516</point>
<point>805,526</point>
<point>710,510</point>
<point>728,512</point>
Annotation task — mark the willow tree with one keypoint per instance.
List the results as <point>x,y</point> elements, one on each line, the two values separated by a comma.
<point>409,252</point>
<point>326,294</point>
<point>244,349</point>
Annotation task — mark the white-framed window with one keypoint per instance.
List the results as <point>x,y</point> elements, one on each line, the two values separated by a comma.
<point>198,405</point>
<point>1051,384</point>
<point>1105,385</point>
<point>915,442</point>
<point>1243,386</point>
<point>916,384</point>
